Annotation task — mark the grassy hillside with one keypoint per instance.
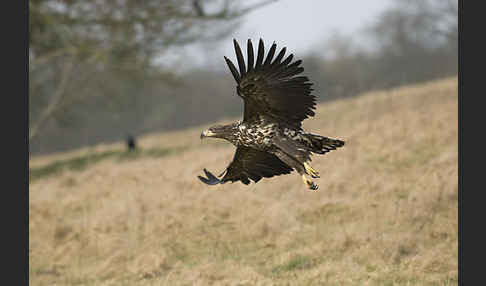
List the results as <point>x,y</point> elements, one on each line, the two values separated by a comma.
<point>385,212</point>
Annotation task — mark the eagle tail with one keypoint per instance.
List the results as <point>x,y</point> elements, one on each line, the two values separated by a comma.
<point>320,144</point>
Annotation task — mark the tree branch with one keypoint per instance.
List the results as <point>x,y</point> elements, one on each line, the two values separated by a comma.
<point>51,108</point>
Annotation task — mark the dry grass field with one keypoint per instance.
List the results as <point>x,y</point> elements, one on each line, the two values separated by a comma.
<point>385,213</point>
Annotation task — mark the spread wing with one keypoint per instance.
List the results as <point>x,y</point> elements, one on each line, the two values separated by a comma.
<point>249,164</point>
<point>270,87</point>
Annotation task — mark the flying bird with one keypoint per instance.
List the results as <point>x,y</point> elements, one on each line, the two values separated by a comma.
<point>270,139</point>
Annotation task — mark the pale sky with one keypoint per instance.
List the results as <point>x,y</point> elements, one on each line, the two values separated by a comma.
<point>300,25</point>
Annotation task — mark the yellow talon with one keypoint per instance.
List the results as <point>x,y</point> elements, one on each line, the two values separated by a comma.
<point>313,173</point>
<point>310,185</point>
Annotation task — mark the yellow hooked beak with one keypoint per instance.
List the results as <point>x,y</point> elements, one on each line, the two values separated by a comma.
<point>207,133</point>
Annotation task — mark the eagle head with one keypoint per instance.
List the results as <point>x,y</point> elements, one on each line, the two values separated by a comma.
<point>220,131</point>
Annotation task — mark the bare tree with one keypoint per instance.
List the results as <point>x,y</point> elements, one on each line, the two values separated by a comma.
<point>410,41</point>
<point>417,40</point>
<point>416,24</point>
<point>73,43</point>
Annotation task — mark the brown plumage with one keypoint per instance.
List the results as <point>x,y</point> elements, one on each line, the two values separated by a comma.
<point>270,140</point>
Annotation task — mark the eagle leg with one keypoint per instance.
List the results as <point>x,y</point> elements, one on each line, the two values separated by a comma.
<point>210,180</point>
<point>310,185</point>
<point>309,170</point>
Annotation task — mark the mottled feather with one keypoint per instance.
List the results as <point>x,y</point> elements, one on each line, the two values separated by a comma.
<point>249,163</point>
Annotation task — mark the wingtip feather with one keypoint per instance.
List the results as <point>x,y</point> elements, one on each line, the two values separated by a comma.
<point>250,55</point>
<point>233,70</point>
<point>239,57</point>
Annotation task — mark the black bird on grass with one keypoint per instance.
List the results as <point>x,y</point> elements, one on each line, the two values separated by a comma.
<point>270,140</point>
<point>131,143</point>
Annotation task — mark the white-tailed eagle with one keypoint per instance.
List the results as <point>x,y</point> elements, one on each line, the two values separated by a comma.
<point>270,140</point>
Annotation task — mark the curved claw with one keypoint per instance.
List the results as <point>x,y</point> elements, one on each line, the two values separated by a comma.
<point>310,185</point>
<point>210,180</point>
<point>313,186</point>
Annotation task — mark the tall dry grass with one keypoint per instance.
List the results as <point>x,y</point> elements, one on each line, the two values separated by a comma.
<point>385,213</point>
